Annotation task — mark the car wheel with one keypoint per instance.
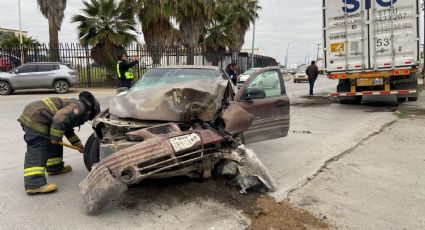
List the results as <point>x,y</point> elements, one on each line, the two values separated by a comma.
<point>5,88</point>
<point>413,98</point>
<point>91,152</point>
<point>61,86</point>
<point>295,81</point>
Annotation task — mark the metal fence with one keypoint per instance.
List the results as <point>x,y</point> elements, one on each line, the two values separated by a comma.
<point>94,75</point>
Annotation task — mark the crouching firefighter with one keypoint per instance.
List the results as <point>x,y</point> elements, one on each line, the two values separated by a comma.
<point>45,122</point>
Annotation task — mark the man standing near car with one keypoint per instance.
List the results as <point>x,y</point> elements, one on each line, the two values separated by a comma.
<point>45,122</point>
<point>123,70</point>
<point>231,71</point>
<point>312,72</point>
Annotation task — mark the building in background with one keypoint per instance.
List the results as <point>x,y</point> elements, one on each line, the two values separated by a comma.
<point>16,32</point>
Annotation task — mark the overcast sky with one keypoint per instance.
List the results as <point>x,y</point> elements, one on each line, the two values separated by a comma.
<point>281,22</point>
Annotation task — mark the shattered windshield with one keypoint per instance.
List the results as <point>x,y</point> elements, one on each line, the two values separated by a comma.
<point>160,77</point>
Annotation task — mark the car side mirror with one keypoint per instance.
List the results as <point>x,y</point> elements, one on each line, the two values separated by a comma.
<point>254,93</point>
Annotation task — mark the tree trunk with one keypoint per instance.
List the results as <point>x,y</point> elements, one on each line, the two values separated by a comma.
<point>54,41</point>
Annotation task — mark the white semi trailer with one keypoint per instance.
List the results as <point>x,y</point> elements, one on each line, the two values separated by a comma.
<point>372,47</point>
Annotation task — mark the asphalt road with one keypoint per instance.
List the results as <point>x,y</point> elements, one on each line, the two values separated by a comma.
<point>320,131</point>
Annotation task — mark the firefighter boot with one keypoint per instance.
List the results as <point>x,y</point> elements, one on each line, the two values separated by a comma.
<point>47,188</point>
<point>65,169</point>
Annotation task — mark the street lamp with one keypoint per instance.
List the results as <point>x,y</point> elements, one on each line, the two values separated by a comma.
<point>20,23</point>
<point>253,39</point>
<point>287,53</point>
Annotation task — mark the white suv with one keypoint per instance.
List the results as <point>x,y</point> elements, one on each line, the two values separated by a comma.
<point>38,75</point>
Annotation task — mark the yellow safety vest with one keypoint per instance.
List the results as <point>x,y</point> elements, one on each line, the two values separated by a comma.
<point>128,75</point>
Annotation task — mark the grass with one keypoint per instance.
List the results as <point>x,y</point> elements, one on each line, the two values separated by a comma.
<point>100,76</point>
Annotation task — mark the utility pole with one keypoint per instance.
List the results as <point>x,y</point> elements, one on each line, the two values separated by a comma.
<point>318,49</point>
<point>20,32</point>
<point>287,53</point>
<point>253,45</point>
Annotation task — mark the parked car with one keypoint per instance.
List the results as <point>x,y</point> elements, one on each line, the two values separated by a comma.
<point>184,121</point>
<point>300,76</point>
<point>5,65</point>
<point>244,76</point>
<point>8,62</point>
<point>37,75</point>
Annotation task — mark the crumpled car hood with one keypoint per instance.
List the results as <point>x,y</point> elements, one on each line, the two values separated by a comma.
<point>179,102</point>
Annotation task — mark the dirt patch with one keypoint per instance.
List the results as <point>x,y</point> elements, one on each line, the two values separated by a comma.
<point>315,101</point>
<point>272,215</point>
<point>263,210</point>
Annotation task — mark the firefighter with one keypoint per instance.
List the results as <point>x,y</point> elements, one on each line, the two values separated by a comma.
<point>45,122</point>
<point>124,75</point>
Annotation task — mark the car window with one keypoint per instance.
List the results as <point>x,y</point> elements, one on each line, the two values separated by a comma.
<point>249,72</point>
<point>46,68</point>
<point>268,81</point>
<point>159,77</point>
<point>28,69</point>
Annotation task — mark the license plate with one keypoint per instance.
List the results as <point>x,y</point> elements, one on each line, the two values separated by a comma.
<point>185,142</point>
<point>378,81</point>
<point>369,81</point>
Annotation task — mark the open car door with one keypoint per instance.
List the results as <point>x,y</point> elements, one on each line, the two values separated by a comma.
<point>264,96</point>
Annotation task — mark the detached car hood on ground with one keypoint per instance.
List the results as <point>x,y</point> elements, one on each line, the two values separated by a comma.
<point>182,102</point>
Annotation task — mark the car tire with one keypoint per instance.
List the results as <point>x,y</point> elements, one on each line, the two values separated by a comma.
<point>61,86</point>
<point>91,152</point>
<point>413,98</point>
<point>5,88</point>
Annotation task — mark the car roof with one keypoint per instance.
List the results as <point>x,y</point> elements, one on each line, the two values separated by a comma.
<point>43,63</point>
<point>189,67</point>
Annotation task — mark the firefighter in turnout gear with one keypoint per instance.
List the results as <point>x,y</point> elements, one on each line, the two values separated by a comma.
<point>123,70</point>
<point>45,122</point>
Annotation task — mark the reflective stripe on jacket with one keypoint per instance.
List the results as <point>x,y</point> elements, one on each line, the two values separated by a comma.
<point>128,75</point>
<point>55,117</point>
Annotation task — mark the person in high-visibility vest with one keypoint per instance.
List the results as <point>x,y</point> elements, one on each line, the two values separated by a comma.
<point>124,75</point>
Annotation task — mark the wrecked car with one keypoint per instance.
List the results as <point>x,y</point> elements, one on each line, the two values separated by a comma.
<point>184,121</point>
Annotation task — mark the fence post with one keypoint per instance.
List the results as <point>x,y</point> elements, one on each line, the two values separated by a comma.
<point>177,56</point>
<point>88,72</point>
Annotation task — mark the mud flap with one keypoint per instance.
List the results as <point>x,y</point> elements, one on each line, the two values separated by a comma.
<point>96,192</point>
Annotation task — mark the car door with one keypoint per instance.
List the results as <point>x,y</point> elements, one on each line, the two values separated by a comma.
<point>24,76</point>
<point>269,105</point>
<point>45,75</point>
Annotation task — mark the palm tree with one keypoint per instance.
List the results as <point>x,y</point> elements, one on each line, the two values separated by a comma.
<point>192,15</point>
<point>107,27</point>
<point>11,40</point>
<point>218,36</point>
<point>53,10</point>
<point>244,12</point>
<point>155,18</point>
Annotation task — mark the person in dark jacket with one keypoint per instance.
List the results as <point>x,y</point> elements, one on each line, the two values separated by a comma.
<point>312,72</point>
<point>231,71</point>
<point>123,70</point>
<point>45,122</point>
